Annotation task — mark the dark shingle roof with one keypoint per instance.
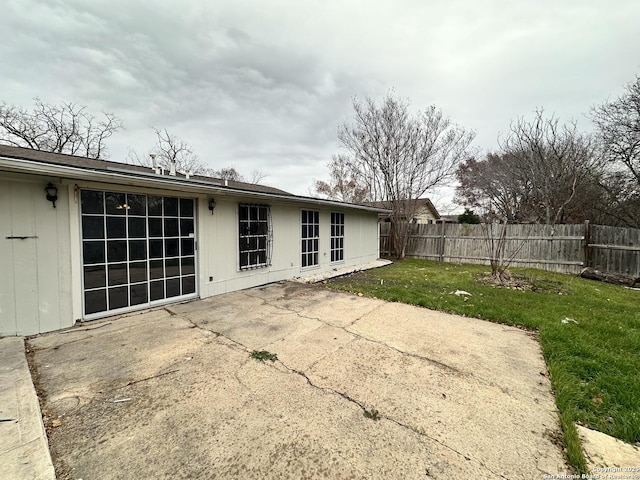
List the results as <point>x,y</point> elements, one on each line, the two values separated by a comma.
<point>138,174</point>
<point>110,166</point>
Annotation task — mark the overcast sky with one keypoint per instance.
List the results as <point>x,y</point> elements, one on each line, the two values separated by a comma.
<point>264,85</point>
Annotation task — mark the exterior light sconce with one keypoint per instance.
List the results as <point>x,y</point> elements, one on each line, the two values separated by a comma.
<point>212,205</point>
<point>52,193</point>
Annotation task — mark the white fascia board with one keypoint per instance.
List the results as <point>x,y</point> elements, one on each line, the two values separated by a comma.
<point>162,181</point>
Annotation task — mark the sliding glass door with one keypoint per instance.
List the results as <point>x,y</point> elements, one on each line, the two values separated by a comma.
<point>137,250</point>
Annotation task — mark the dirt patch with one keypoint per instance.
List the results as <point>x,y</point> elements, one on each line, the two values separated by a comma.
<point>35,374</point>
<point>522,283</point>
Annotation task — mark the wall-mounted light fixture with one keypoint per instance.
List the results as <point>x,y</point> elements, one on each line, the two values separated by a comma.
<point>212,205</point>
<point>52,193</point>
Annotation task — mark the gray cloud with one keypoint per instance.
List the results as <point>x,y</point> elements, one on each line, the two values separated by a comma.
<point>264,85</point>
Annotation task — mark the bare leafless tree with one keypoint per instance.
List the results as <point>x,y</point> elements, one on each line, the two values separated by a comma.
<point>256,177</point>
<point>496,185</point>
<point>618,127</point>
<point>618,123</point>
<point>230,173</point>
<point>401,156</point>
<point>619,197</point>
<point>345,184</point>
<point>494,235</point>
<point>66,128</point>
<point>500,248</point>
<point>555,159</point>
<point>171,148</point>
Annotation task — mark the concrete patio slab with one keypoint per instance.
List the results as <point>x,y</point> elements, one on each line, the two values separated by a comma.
<point>174,392</point>
<point>462,343</point>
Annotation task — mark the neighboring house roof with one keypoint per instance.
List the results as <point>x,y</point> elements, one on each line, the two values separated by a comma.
<point>420,203</point>
<point>27,160</point>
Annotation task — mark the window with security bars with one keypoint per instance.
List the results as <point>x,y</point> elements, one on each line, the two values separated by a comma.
<point>337,237</point>
<point>254,235</point>
<point>310,237</point>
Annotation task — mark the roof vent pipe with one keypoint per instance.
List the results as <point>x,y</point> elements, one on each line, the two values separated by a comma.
<point>172,171</point>
<point>154,163</point>
<point>226,182</point>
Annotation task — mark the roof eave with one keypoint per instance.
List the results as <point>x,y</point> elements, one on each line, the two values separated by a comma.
<point>34,167</point>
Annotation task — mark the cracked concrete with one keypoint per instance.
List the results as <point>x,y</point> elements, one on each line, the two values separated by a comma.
<point>173,392</point>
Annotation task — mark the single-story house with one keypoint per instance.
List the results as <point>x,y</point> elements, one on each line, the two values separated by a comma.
<point>423,210</point>
<point>83,239</point>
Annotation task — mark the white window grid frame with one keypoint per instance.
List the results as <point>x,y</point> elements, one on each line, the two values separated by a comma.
<point>310,238</point>
<point>128,261</point>
<point>337,237</point>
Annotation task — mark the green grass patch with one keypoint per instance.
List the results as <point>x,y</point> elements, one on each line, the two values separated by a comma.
<point>589,332</point>
<point>373,414</point>
<point>263,355</point>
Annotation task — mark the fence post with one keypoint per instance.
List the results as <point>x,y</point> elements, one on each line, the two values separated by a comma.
<point>441,253</point>
<point>586,250</point>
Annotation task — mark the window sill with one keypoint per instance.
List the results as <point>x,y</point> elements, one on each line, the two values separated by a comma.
<point>309,267</point>
<point>252,268</point>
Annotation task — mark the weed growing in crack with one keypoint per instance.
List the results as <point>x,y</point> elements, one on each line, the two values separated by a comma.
<point>263,355</point>
<point>373,414</point>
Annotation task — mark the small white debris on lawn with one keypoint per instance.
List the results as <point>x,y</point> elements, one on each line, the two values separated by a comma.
<point>461,292</point>
<point>568,320</point>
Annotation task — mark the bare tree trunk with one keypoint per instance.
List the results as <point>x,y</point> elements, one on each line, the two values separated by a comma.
<point>496,243</point>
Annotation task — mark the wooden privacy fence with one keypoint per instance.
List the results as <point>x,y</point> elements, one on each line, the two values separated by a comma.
<point>559,248</point>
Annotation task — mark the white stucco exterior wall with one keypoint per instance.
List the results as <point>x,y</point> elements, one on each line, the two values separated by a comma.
<point>218,245</point>
<point>41,282</point>
<point>35,279</point>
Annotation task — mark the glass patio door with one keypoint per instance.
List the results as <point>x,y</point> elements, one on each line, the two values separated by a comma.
<point>137,250</point>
